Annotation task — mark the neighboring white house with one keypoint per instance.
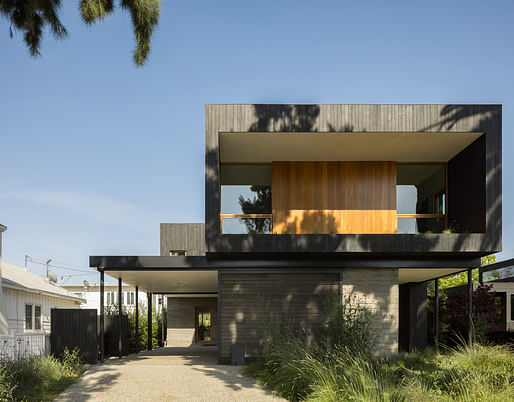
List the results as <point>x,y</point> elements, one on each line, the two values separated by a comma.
<point>91,293</point>
<point>29,299</point>
<point>3,309</point>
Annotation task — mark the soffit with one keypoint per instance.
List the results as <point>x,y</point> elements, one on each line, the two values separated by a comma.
<point>406,275</point>
<point>343,146</point>
<point>165,281</point>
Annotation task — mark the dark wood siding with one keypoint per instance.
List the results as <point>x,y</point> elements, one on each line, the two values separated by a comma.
<point>251,302</point>
<point>466,189</point>
<point>74,328</point>
<point>183,236</point>
<point>357,118</point>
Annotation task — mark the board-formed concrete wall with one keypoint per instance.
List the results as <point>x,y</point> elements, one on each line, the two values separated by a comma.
<point>376,289</point>
<point>181,319</point>
<point>250,303</point>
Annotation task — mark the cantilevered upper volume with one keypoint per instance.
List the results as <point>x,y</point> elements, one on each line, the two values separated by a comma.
<point>352,179</point>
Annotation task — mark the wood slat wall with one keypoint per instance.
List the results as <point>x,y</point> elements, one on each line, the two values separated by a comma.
<point>334,197</point>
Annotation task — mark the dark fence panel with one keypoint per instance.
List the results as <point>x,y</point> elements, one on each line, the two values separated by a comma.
<point>74,328</point>
<point>112,325</point>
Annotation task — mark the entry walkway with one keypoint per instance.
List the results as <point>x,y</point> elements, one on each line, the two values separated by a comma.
<point>166,374</point>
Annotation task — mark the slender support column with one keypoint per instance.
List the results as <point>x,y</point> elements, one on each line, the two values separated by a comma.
<point>149,295</point>
<point>102,345</point>
<point>137,319</point>
<point>470,309</point>
<point>120,304</point>
<point>162,320</point>
<point>480,275</point>
<point>436,315</point>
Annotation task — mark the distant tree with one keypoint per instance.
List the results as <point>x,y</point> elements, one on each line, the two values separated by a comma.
<point>31,17</point>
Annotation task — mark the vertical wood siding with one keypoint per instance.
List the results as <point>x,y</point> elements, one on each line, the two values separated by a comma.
<point>334,197</point>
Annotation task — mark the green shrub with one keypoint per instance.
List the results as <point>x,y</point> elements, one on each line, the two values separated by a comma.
<point>341,367</point>
<point>37,377</point>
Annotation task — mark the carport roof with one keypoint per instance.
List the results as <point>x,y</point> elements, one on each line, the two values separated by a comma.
<point>199,274</point>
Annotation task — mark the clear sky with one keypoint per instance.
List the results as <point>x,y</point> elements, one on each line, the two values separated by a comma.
<point>95,152</point>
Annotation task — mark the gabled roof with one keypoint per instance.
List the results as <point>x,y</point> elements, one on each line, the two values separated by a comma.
<point>18,278</point>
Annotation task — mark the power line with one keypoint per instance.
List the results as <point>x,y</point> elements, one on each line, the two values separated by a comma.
<point>60,267</point>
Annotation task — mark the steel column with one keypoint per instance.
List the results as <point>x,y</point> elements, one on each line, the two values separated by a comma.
<point>470,308</point>
<point>149,295</point>
<point>436,315</point>
<point>102,344</point>
<point>137,319</point>
<point>120,303</point>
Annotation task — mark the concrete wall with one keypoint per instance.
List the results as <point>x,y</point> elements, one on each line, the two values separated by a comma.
<point>378,290</point>
<point>181,319</point>
<point>250,303</point>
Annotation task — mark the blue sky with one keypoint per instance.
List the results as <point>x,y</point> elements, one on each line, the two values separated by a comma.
<point>96,152</point>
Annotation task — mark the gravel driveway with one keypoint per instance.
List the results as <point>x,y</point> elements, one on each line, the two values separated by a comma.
<point>166,374</point>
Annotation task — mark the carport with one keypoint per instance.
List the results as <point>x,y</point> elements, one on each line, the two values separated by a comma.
<point>174,275</point>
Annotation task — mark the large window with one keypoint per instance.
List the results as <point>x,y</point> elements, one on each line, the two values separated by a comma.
<point>421,198</point>
<point>245,199</point>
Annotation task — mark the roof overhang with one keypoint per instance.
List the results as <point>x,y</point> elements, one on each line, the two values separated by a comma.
<point>266,147</point>
<point>199,275</point>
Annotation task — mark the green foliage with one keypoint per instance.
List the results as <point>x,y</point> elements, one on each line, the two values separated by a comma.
<point>461,278</point>
<point>31,17</point>
<point>342,368</point>
<point>142,340</point>
<point>38,377</point>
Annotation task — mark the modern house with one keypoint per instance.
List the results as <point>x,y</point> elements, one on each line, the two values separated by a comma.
<point>301,201</point>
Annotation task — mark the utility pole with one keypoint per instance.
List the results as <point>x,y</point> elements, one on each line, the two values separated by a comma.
<point>26,259</point>
<point>47,262</point>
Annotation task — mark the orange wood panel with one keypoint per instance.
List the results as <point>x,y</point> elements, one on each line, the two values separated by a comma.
<point>334,197</point>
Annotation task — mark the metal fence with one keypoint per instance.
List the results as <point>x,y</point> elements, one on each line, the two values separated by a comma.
<point>18,345</point>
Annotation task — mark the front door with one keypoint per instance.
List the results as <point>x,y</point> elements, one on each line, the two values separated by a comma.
<point>203,324</point>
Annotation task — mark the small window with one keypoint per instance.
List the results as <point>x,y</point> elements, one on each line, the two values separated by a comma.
<point>108,298</point>
<point>37,317</point>
<point>176,253</point>
<point>132,301</point>
<point>28,316</point>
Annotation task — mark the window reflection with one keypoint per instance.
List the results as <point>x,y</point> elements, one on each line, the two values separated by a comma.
<point>421,225</point>
<point>246,225</point>
<point>421,189</point>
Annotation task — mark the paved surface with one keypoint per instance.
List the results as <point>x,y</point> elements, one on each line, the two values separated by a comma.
<point>166,374</point>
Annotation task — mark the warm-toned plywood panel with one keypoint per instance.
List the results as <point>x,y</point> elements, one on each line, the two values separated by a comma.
<point>334,197</point>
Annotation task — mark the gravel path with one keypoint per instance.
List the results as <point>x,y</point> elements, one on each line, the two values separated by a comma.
<point>166,374</point>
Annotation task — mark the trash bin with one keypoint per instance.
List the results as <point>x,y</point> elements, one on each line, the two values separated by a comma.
<point>238,354</point>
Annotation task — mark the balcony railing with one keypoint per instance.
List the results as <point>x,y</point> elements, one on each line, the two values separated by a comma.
<point>263,223</point>
<point>246,223</point>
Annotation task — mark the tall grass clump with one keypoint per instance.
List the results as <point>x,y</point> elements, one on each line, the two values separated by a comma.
<point>38,377</point>
<point>337,363</point>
